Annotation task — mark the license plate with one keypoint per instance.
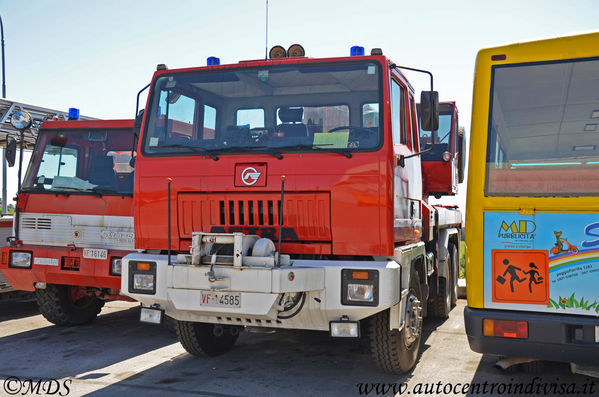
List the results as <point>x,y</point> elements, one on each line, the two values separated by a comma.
<point>152,316</point>
<point>95,253</point>
<point>220,299</point>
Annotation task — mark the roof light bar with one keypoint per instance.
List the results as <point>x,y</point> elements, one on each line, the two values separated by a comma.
<point>296,50</point>
<point>356,51</point>
<point>212,61</point>
<point>277,52</point>
<point>73,114</point>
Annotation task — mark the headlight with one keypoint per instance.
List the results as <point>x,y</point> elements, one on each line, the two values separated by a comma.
<point>116,266</point>
<point>142,277</point>
<point>20,259</point>
<point>446,156</point>
<point>143,282</point>
<point>360,292</point>
<point>359,287</point>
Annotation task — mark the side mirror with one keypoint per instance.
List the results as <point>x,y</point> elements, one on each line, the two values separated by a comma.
<point>11,151</point>
<point>429,110</point>
<point>461,154</point>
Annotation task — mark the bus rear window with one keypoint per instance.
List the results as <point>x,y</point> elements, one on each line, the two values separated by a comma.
<point>543,131</point>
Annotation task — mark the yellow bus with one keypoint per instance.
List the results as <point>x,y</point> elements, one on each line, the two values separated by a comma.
<point>532,217</point>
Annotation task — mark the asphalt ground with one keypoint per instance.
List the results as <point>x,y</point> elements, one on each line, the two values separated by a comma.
<point>117,355</point>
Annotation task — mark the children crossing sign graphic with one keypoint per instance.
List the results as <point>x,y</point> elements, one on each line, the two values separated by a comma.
<point>520,276</point>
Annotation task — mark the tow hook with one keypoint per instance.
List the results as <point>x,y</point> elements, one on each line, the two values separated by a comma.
<point>211,275</point>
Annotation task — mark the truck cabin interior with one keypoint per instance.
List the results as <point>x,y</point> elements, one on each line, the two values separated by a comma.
<point>291,108</point>
<point>445,141</point>
<point>81,161</point>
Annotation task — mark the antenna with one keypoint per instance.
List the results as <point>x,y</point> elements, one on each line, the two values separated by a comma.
<point>266,45</point>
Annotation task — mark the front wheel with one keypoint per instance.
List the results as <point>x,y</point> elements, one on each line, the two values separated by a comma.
<point>204,338</point>
<point>67,305</point>
<point>397,351</point>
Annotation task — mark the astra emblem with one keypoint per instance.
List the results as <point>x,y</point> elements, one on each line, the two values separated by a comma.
<point>250,175</point>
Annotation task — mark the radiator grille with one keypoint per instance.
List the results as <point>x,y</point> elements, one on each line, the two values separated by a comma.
<point>249,212</point>
<point>307,213</point>
<point>33,223</point>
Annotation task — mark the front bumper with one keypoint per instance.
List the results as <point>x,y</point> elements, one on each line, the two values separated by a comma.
<point>552,337</point>
<point>91,272</point>
<point>179,288</point>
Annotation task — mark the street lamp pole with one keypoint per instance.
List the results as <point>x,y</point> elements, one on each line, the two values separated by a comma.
<point>4,173</point>
<point>3,64</point>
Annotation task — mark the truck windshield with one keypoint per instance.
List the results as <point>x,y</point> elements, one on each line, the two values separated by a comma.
<point>81,161</point>
<point>442,137</point>
<point>299,108</point>
<point>543,129</point>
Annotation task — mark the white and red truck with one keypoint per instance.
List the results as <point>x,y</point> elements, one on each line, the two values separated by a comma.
<point>73,222</point>
<point>288,193</point>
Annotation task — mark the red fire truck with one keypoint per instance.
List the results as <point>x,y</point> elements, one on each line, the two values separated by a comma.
<point>74,218</point>
<point>288,193</point>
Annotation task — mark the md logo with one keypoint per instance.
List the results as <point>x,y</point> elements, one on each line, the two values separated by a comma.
<point>521,226</point>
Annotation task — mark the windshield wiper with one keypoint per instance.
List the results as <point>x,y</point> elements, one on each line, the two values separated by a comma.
<point>197,149</point>
<point>343,151</point>
<point>98,191</point>
<point>267,150</point>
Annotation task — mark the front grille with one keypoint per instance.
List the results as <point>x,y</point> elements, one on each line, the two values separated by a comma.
<point>32,223</point>
<point>308,214</point>
<point>249,212</point>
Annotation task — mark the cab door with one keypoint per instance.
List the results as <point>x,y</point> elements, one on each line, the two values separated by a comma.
<point>407,187</point>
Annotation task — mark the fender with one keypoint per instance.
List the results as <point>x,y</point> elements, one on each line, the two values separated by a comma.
<point>443,250</point>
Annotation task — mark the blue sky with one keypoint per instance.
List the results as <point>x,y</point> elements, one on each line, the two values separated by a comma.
<point>97,55</point>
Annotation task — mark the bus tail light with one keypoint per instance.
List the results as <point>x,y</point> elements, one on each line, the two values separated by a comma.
<point>505,328</point>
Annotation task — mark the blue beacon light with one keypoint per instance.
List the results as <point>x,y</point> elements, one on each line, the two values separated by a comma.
<point>212,61</point>
<point>356,51</point>
<point>73,114</point>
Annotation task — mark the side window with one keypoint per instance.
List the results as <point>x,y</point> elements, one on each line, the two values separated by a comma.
<point>398,113</point>
<point>413,126</point>
<point>254,118</point>
<point>209,122</point>
<point>177,113</point>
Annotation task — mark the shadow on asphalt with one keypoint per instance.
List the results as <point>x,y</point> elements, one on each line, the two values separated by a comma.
<point>517,381</point>
<point>14,309</point>
<point>268,362</point>
<point>57,352</point>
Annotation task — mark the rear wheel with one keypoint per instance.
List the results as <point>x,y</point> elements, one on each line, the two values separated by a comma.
<point>397,351</point>
<point>442,302</point>
<point>67,305</point>
<point>204,338</point>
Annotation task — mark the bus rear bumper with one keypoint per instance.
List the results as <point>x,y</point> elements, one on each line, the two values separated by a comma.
<point>551,337</point>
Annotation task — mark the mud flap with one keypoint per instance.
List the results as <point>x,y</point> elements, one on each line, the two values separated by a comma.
<point>396,312</point>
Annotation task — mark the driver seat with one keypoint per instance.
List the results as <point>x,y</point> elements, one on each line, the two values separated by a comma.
<point>102,173</point>
<point>292,125</point>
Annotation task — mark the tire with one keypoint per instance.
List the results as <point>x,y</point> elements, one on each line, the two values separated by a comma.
<point>206,339</point>
<point>396,351</point>
<point>442,302</point>
<point>59,305</point>
<point>454,254</point>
